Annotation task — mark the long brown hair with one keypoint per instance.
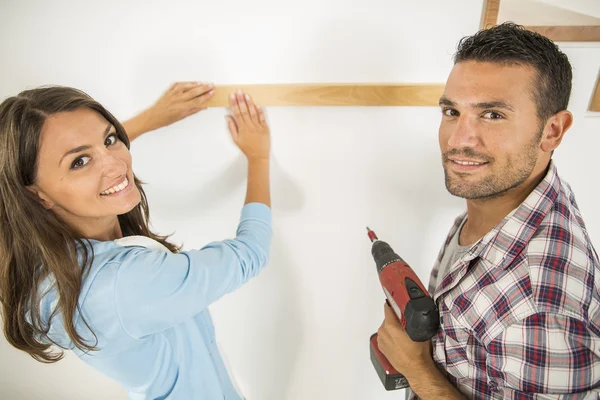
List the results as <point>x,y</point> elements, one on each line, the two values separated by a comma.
<point>34,242</point>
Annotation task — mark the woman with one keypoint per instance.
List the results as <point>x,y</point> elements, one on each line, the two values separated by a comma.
<point>79,267</point>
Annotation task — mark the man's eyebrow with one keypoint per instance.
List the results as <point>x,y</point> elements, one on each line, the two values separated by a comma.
<point>494,104</point>
<point>444,101</point>
<point>83,148</point>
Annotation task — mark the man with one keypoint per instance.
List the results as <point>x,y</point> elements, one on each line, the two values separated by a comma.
<point>516,282</point>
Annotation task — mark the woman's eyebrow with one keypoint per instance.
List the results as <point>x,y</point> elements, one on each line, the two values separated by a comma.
<point>82,148</point>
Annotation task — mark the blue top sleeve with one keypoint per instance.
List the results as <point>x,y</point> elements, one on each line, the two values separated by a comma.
<point>156,290</point>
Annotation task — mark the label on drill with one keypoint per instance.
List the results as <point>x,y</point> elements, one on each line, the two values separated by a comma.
<point>400,383</point>
<point>393,303</point>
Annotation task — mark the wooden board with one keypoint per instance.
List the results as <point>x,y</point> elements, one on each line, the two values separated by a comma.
<point>577,33</point>
<point>595,103</point>
<point>569,33</point>
<point>490,13</point>
<point>348,94</point>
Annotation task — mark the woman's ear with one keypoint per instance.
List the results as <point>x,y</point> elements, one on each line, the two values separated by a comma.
<point>41,196</point>
<point>555,130</point>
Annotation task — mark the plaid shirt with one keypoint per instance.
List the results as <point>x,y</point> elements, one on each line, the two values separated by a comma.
<point>520,311</point>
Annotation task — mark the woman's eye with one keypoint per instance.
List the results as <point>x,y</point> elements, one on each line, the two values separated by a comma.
<point>80,162</point>
<point>111,139</point>
<point>492,115</point>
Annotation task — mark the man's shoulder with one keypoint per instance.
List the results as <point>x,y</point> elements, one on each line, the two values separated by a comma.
<point>562,263</point>
<point>562,239</point>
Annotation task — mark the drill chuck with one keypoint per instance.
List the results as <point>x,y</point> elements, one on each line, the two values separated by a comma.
<point>383,254</point>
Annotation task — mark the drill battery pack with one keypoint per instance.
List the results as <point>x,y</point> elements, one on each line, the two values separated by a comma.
<point>391,381</point>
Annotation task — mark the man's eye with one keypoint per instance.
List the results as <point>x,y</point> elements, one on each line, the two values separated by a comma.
<point>492,115</point>
<point>80,162</point>
<point>111,139</point>
<point>449,112</point>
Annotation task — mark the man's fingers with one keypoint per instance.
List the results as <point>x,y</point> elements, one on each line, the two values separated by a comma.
<point>387,310</point>
<point>390,316</point>
<point>381,339</point>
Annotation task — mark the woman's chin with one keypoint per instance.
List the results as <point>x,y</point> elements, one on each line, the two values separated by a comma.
<point>129,203</point>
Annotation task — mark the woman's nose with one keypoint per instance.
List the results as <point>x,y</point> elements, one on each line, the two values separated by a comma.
<point>113,166</point>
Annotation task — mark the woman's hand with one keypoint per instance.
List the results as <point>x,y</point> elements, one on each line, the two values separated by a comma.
<point>248,127</point>
<point>250,132</point>
<point>181,100</point>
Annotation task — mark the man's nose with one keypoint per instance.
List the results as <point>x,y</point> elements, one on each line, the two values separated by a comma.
<point>464,133</point>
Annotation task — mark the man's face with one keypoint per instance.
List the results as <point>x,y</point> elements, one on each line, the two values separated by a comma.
<point>490,133</point>
<point>84,171</point>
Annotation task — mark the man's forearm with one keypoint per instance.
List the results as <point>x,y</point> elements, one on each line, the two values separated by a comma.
<point>430,384</point>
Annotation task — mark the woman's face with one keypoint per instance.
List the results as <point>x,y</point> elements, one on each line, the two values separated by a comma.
<point>84,171</point>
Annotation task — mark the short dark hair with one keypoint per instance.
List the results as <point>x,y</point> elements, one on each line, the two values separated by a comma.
<point>512,44</point>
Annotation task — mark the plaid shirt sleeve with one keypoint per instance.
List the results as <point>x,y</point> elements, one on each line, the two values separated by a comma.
<point>544,356</point>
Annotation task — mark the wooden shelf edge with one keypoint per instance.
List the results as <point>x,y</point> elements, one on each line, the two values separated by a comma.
<point>340,94</point>
<point>490,13</point>
<point>595,102</point>
<point>583,33</point>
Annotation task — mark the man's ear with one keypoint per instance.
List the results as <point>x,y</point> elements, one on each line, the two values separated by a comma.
<point>41,196</point>
<point>555,130</point>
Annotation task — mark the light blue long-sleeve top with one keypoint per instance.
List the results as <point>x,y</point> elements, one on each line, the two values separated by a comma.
<point>148,309</point>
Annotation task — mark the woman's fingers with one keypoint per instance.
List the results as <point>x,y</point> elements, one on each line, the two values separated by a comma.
<point>197,90</point>
<point>244,113</point>
<point>261,115</point>
<point>251,109</point>
<point>233,129</point>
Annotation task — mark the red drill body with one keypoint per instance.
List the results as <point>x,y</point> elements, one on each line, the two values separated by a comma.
<point>410,301</point>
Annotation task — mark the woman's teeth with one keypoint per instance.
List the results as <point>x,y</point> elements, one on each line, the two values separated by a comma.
<point>117,188</point>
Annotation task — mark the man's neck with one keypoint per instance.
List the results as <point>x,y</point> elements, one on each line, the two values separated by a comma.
<point>484,214</point>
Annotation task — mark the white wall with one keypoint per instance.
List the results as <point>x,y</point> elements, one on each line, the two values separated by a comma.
<point>301,329</point>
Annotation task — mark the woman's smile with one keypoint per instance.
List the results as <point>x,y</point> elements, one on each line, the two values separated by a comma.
<point>120,189</point>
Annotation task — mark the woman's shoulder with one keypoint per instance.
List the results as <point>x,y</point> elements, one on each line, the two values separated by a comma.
<point>140,241</point>
<point>105,258</point>
<point>116,250</point>
<point>97,285</point>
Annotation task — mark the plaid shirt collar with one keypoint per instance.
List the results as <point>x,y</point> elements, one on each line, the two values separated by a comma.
<point>508,238</point>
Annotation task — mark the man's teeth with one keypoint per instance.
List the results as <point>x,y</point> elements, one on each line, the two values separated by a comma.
<point>468,163</point>
<point>117,188</point>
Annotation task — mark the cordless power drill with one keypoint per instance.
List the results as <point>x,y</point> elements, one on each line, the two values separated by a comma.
<point>411,303</point>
